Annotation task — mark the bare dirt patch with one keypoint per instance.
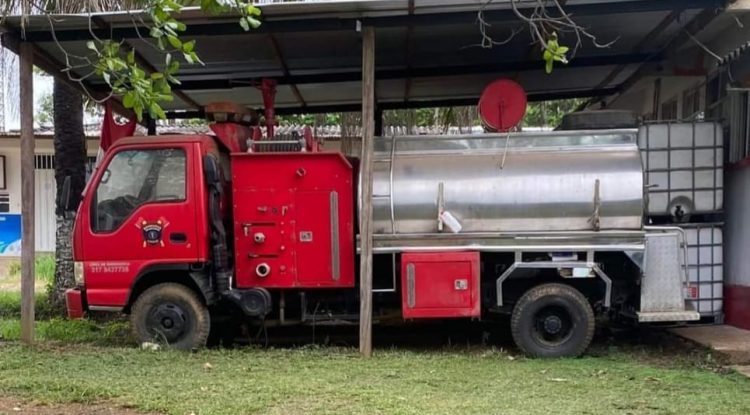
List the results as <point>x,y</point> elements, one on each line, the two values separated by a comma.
<point>11,406</point>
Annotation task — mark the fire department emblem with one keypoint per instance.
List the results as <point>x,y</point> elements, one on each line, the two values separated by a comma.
<point>152,231</point>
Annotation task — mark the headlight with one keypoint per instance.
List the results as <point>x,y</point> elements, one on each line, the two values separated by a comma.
<point>78,272</point>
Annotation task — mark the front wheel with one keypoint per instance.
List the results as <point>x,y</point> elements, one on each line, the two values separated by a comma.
<point>172,314</point>
<point>553,320</point>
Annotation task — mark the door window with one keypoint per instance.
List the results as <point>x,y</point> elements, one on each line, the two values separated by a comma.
<point>134,178</point>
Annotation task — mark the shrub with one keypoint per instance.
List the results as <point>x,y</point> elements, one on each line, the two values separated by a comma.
<point>44,265</point>
<point>10,305</point>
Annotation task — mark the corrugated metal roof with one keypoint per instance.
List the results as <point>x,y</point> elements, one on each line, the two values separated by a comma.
<point>427,53</point>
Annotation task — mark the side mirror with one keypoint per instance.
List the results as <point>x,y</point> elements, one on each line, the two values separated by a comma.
<point>65,197</point>
<point>211,170</point>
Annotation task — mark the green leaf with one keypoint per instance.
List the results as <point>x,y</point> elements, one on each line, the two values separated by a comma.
<point>548,66</point>
<point>138,73</point>
<point>112,48</point>
<point>156,111</point>
<point>169,31</point>
<point>138,110</point>
<point>189,58</point>
<point>164,87</point>
<point>155,32</point>
<point>212,6</point>
<point>188,46</point>
<point>195,58</point>
<point>174,41</point>
<point>157,75</point>
<point>106,77</point>
<point>245,24</point>
<point>131,57</point>
<point>128,100</point>
<point>173,5</point>
<point>162,15</point>
<point>254,23</point>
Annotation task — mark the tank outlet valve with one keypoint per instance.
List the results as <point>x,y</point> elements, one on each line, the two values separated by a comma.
<point>259,237</point>
<point>451,222</point>
<point>262,270</point>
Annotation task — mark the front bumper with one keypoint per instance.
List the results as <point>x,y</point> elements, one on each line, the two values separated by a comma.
<point>75,303</point>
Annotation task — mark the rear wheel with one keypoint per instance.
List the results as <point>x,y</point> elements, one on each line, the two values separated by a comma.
<point>553,320</point>
<point>172,314</point>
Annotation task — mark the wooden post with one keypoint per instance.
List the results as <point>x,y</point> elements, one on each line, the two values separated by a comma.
<point>365,215</point>
<point>26,107</point>
<point>150,125</point>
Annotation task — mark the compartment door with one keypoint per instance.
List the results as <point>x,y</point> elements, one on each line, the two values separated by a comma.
<point>440,284</point>
<point>317,234</point>
<point>263,237</point>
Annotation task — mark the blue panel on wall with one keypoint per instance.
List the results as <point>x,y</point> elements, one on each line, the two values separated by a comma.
<point>10,234</point>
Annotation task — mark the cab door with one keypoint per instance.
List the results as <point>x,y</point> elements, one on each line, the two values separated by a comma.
<point>141,212</point>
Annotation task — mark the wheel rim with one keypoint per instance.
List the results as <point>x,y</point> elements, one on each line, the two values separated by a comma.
<point>168,321</point>
<point>553,325</point>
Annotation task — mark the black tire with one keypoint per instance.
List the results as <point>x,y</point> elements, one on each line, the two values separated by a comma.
<point>172,314</point>
<point>552,320</point>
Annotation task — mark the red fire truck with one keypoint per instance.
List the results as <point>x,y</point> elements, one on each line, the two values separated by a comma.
<point>547,228</point>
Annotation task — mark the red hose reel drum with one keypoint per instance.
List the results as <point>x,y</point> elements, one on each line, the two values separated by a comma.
<point>502,105</point>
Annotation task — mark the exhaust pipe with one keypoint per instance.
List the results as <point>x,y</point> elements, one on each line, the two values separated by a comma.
<point>255,302</point>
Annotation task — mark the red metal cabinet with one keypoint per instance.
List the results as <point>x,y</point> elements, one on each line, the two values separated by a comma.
<point>293,215</point>
<point>440,284</point>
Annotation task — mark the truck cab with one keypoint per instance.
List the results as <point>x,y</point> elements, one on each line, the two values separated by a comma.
<point>142,212</point>
<point>157,237</point>
<point>142,222</point>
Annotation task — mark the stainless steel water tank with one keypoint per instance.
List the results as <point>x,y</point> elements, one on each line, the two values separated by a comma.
<point>552,181</point>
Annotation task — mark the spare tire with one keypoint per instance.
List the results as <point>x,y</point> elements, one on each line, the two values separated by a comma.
<point>599,119</point>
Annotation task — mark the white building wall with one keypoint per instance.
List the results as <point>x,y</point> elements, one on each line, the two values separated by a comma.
<point>640,98</point>
<point>45,190</point>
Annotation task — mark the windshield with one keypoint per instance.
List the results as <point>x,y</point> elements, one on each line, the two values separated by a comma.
<point>134,178</point>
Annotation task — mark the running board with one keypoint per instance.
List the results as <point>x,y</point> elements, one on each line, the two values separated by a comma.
<point>668,316</point>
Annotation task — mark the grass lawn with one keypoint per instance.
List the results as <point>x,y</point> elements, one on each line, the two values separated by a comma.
<point>87,362</point>
<point>10,286</point>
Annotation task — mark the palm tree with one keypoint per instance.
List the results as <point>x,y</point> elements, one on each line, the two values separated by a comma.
<point>70,159</point>
<point>69,138</point>
<point>70,162</point>
<point>70,155</point>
